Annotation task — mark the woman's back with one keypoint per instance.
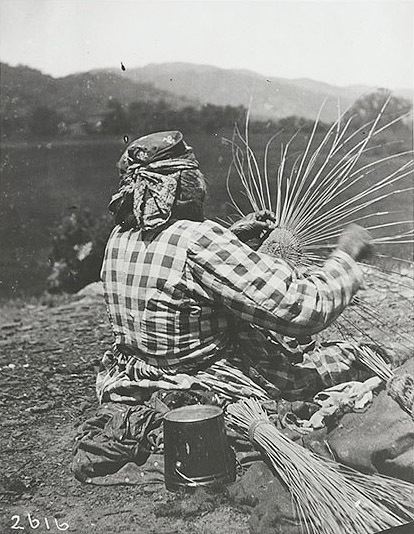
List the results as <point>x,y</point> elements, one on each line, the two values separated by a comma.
<point>157,310</point>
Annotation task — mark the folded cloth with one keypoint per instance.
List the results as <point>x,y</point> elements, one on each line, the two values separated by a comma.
<point>328,405</point>
<point>118,434</point>
<point>349,396</point>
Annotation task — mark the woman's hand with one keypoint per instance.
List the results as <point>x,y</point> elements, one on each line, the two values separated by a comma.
<point>254,227</point>
<point>357,242</point>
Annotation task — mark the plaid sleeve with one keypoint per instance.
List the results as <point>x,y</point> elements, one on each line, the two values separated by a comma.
<point>265,291</point>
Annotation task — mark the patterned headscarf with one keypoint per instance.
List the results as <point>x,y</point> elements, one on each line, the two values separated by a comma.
<point>156,170</point>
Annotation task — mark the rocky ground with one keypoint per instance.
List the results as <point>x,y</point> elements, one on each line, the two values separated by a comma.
<point>49,352</point>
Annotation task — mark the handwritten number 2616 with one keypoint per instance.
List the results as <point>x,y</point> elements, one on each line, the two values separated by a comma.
<point>35,523</point>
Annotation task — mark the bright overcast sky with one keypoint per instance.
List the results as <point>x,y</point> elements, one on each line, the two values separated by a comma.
<point>353,42</point>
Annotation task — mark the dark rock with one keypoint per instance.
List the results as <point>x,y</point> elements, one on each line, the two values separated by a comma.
<point>378,440</point>
<point>273,510</point>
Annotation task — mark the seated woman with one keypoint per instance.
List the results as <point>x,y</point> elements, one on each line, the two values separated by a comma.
<point>183,292</point>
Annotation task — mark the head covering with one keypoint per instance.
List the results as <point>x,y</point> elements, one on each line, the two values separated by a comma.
<point>157,171</point>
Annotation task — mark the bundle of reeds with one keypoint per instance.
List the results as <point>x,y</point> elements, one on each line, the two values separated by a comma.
<point>399,387</point>
<point>230,383</point>
<point>329,498</point>
<point>316,193</point>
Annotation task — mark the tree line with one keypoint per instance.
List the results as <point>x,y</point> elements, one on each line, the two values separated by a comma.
<point>44,122</point>
<point>138,118</point>
<point>142,117</point>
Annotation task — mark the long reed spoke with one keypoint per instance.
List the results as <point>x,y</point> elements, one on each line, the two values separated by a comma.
<point>335,190</point>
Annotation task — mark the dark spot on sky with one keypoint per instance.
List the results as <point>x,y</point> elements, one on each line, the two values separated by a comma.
<point>122,66</point>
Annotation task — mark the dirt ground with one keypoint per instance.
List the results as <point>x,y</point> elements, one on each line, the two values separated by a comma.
<point>49,352</point>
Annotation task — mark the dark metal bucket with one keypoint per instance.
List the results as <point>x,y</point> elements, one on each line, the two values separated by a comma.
<point>196,450</point>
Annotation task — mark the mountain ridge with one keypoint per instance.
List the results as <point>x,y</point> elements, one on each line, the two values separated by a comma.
<point>76,97</point>
<point>84,96</point>
<point>269,97</point>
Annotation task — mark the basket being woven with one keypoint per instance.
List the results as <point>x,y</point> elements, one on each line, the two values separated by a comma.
<point>283,243</point>
<point>401,389</point>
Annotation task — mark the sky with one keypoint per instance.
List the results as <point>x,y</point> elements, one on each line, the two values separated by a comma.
<point>341,43</point>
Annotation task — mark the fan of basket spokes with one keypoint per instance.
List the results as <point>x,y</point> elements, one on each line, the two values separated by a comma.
<point>317,184</point>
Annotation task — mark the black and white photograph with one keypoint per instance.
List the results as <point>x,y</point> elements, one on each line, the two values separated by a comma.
<point>206,266</point>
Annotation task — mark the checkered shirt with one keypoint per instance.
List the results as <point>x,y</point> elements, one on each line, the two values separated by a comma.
<point>172,299</point>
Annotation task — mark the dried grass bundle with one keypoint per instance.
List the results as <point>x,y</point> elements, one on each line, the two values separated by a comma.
<point>329,498</point>
<point>399,387</point>
<point>230,383</point>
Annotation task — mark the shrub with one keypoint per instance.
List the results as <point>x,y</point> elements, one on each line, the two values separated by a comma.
<point>77,251</point>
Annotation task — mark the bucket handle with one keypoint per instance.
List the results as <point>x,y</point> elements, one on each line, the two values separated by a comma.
<point>191,481</point>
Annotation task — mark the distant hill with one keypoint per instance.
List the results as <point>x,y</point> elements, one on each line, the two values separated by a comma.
<point>79,102</point>
<point>78,97</point>
<point>272,97</point>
